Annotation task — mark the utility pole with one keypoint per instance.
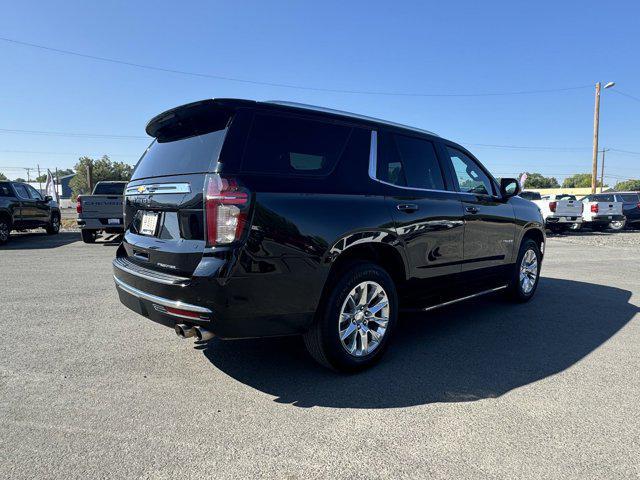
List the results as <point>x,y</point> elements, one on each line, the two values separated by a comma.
<point>89,176</point>
<point>602,171</point>
<point>39,181</point>
<point>596,124</point>
<point>28,177</point>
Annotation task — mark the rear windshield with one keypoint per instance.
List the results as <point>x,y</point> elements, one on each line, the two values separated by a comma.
<point>565,197</point>
<point>195,154</point>
<point>604,198</point>
<point>530,195</point>
<point>109,189</point>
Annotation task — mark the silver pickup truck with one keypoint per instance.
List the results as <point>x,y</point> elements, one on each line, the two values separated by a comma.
<point>101,211</point>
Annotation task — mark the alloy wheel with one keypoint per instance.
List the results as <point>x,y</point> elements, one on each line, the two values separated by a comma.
<point>4,232</point>
<point>528,271</point>
<point>363,319</point>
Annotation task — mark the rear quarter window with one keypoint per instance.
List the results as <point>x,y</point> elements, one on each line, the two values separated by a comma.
<point>285,145</point>
<point>630,197</point>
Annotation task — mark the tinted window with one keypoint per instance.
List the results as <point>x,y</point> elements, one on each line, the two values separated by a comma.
<point>109,189</point>
<point>294,146</point>
<point>630,197</point>
<point>4,190</point>
<point>21,190</point>
<point>470,176</point>
<point>33,193</point>
<point>187,155</point>
<point>604,198</point>
<point>564,196</point>
<point>409,162</point>
<point>530,195</point>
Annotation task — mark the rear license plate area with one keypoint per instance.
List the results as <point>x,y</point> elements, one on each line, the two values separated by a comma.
<point>149,223</point>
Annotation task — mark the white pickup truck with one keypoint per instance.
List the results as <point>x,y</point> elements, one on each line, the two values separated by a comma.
<point>560,211</point>
<point>101,211</point>
<point>601,211</point>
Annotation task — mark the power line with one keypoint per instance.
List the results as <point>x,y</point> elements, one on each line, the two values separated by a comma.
<point>526,147</point>
<point>284,85</point>
<point>69,153</point>
<point>615,90</point>
<point>71,134</point>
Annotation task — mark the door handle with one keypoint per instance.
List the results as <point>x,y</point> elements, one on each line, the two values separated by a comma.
<point>471,209</point>
<point>407,207</point>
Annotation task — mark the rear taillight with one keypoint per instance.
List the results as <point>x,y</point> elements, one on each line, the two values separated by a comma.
<point>78,205</point>
<point>594,208</point>
<point>638,205</point>
<point>226,208</point>
<point>552,206</point>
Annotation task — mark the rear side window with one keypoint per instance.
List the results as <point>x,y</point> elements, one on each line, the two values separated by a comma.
<point>630,197</point>
<point>293,146</point>
<point>471,178</point>
<point>21,190</point>
<point>109,189</point>
<point>408,162</point>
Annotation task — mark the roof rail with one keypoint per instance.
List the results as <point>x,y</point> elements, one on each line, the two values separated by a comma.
<point>304,106</point>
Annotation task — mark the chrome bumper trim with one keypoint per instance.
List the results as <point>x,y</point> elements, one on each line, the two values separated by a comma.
<point>165,302</point>
<point>158,277</point>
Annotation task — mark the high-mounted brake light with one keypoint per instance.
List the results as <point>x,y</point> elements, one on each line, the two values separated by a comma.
<point>594,208</point>
<point>79,205</point>
<point>226,208</point>
<point>552,206</point>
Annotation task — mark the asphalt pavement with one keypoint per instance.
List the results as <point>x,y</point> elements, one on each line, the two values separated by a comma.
<point>484,389</point>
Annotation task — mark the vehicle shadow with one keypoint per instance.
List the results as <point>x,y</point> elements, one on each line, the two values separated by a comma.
<point>470,351</point>
<point>39,240</point>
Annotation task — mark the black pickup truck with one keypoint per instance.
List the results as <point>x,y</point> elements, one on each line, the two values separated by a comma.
<point>22,207</point>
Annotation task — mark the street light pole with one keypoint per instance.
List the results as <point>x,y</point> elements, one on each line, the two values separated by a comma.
<point>596,126</point>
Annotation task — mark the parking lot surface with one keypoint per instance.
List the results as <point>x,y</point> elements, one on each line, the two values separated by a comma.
<point>483,389</point>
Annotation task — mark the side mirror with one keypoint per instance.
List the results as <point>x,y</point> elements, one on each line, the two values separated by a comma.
<point>509,187</point>
<point>48,198</point>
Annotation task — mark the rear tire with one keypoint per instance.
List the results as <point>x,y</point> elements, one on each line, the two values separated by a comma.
<point>88,236</point>
<point>54,226</point>
<point>355,319</point>
<point>5,231</point>
<point>526,274</point>
<point>617,225</point>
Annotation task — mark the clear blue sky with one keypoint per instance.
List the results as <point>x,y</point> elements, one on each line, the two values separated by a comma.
<point>446,48</point>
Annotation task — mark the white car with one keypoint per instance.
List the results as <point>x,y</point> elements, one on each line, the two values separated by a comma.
<point>601,211</point>
<point>560,211</point>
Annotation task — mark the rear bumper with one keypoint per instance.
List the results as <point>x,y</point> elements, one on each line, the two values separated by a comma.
<point>235,307</point>
<point>556,219</point>
<point>99,224</point>
<point>606,219</point>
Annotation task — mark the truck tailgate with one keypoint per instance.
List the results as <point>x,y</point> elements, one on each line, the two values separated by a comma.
<point>101,206</point>
<point>569,208</point>
<point>609,208</point>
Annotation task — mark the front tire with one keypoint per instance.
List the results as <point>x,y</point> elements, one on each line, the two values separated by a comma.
<point>526,274</point>
<point>88,236</point>
<point>355,319</point>
<point>54,226</point>
<point>5,230</point>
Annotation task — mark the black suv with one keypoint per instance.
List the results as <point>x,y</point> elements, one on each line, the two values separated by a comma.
<point>22,207</point>
<point>252,219</point>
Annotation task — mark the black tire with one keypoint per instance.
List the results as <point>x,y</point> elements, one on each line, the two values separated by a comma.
<point>5,230</point>
<point>516,290</point>
<point>88,236</point>
<point>54,226</point>
<point>323,339</point>
<point>599,227</point>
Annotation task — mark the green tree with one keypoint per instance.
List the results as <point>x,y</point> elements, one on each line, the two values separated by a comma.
<point>579,180</point>
<point>537,180</point>
<point>20,179</point>
<point>61,173</point>
<point>101,170</point>
<point>633,185</point>
<point>3,176</point>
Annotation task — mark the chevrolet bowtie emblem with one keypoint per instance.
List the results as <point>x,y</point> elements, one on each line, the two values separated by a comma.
<point>141,188</point>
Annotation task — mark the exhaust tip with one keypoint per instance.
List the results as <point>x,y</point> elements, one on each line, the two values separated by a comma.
<point>184,331</point>
<point>202,334</point>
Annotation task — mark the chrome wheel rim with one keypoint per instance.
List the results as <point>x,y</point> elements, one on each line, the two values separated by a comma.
<point>363,320</point>
<point>528,271</point>
<point>4,231</point>
<point>55,223</point>
<point>616,225</point>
